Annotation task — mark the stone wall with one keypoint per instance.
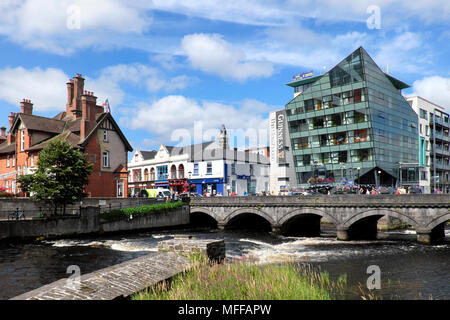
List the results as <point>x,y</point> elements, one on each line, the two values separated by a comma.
<point>89,222</point>
<point>118,281</point>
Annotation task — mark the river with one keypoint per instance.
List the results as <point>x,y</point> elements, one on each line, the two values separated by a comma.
<point>408,270</point>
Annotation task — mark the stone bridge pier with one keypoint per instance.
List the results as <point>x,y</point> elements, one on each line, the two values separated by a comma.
<point>354,216</point>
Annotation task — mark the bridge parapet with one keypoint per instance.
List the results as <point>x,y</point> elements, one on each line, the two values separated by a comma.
<point>409,200</point>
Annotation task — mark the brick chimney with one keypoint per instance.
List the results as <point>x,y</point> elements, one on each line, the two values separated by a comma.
<point>75,89</point>
<point>70,86</point>
<point>88,113</point>
<point>11,118</point>
<point>26,107</point>
<point>3,132</point>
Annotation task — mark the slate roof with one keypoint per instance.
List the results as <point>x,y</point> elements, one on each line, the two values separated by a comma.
<point>209,151</point>
<point>60,127</point>
<point>148,155</point>
<point>7,149</point>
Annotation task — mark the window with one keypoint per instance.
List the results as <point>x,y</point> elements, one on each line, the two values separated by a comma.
<point>233,186</point>
<point>301,143</point>
<point>120,188</point>
<point>22,140</point>
<point>162,172</point>
<point>233,168</point>
<point>195,169</point>
<point>14,160</point>
<point>105,135</point>
<point>7,161</point>
<point>105,159</point>
<point>426,130</point>
<point>420,128</point>
<point>209,168</point>
<point>32,160</point>
<point>423,114</point>
<point>252,170</point>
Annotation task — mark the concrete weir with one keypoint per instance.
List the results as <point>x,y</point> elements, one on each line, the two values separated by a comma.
<point>115,282</point>
<point>213,249</point>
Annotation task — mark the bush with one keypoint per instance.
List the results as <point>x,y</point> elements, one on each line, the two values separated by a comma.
<point>126,213</point>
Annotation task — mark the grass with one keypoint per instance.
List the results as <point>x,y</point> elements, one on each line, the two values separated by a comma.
<point>244,280</point>
<point>126,213</point>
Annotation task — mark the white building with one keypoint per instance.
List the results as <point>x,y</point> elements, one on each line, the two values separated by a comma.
<point>282,170</point>
<point>433,131</point>
<point>210,167</point>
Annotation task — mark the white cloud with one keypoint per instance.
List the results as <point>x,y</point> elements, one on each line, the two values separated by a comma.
<point>272,12</point>
<point>108,83</point>
<point>172,116</point>
<point>435,89</point>
<point>212,54</point>
<point>44,87</point>
<point>51,25</point>
<point>47,90</point>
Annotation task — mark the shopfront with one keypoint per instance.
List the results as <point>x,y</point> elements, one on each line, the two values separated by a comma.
<point>211,186</point>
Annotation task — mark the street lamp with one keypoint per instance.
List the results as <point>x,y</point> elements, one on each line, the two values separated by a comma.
<point>379,178</point>
<point>358,176</point>
<point>189,184</point>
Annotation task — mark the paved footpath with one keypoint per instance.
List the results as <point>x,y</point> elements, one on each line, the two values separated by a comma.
<point>118,281</point>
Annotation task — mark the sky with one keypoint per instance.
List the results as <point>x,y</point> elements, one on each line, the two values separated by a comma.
<point>175,71</point>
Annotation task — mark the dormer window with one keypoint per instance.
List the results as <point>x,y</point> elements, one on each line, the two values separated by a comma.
<point>105,135</point>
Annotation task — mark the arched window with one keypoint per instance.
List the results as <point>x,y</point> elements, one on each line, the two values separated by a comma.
<point>146,175</point>
<point>180,171</point>
<point>152,174</point>
<point>173,172</point>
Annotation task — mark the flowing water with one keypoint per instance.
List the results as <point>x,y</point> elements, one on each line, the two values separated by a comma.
<point>408,270</point>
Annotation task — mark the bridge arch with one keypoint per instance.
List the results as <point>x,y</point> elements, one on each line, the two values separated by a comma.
<point>304,222</point>
<point>203,217</point>
<point>379,212</point>
<point>257,212</point>
<point>307,210</point>
<point>438,221</point>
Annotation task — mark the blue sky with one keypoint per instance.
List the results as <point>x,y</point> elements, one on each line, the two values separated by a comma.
<point>172,68</point>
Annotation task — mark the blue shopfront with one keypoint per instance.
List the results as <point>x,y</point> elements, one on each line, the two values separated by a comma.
<point>213,186</point>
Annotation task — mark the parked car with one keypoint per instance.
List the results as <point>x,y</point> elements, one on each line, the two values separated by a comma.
<point>192,195</point>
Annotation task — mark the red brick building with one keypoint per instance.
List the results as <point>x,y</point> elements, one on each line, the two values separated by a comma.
<point>85,125</point>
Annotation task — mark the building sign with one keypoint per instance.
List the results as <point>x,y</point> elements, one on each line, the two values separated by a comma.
<point>281,136</point>
<point>302,76</point>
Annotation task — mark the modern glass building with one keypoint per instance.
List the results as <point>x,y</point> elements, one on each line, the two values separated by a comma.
<point>352,125</point>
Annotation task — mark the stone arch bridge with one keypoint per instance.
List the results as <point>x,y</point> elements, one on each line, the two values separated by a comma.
<point>354,216</point>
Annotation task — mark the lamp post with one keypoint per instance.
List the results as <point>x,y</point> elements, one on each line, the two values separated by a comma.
<point>358,175</point>
<point>379,178</point>
<point>189,184</point>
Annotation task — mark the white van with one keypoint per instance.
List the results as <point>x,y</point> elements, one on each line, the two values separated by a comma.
<point>160,193</point>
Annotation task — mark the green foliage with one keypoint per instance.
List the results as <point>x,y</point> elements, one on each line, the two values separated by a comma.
<point>61,176</point>
<point>126,213</point>
<point>246,281</point>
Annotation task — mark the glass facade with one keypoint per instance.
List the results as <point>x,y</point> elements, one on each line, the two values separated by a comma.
<point>352,117</point>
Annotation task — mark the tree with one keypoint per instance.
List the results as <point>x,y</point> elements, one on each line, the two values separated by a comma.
<point>61,177</point>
